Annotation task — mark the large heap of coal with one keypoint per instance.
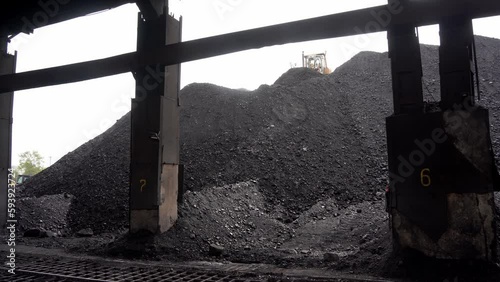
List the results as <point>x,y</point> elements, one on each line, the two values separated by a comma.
<point>97,175</point>
<point>300,142</point>
<point>307,137</point>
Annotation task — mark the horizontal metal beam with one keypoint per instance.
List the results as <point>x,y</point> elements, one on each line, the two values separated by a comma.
<point>369,20</point>
<point>68,73</point>
<point>375,19</point>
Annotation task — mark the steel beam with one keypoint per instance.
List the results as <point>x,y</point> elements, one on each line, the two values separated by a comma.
<point>375,19</point>
<point>7,65</point>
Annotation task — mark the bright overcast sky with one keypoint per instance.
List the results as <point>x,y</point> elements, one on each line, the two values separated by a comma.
<point>56,120</point>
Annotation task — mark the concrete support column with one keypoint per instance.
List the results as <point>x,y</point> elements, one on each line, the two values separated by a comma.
<point>155,132</point>
<point>7,66</point>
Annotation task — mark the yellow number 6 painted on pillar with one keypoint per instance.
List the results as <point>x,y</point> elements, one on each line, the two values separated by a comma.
<point>425,178</point>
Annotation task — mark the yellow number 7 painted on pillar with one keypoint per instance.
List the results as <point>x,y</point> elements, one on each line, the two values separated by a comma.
<point>143,184</point>
<point>425,178</point>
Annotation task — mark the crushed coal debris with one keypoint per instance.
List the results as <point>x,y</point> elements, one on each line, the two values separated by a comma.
<point>45,214</point>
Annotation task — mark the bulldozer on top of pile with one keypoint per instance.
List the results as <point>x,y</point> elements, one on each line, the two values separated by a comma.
<point>316,62</point>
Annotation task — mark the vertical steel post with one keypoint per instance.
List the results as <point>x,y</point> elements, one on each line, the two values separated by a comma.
<point>456,62</point>
<point>406,66</point>
<point>7,66</point>
<point>155,131</point>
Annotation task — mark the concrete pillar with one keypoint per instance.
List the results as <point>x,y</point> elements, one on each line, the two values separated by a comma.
<point>7,66</point>
<point>170,135</point>
<point>155,132</point>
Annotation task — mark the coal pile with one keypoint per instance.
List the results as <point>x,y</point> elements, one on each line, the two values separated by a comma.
<point>96,175</point>
<point>296,76</point>
<point>299,141</point>
<point>239,217</point>
<point>46,213</point>
<point>235,220</point>
<point>232,218</point>
<point>489,78</point>
<point>304,139</point>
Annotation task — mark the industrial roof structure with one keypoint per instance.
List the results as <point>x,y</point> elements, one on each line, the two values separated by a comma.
<point>26,15</point>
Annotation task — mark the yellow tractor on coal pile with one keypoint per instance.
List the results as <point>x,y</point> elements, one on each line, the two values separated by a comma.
<point>316,62</point>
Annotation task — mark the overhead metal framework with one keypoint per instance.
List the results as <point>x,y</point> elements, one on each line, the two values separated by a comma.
<point>375,19</point>
<point>25,16</point>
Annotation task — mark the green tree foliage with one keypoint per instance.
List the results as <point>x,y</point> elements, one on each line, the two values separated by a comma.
<point>30,163</point>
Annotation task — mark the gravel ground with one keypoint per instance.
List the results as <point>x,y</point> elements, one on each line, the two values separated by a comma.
<point>47,213</point>
<point>291,174</point>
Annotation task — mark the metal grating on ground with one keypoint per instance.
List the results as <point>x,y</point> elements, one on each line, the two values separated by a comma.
<point>26,277</point>
<point>84,270</point>
<point>44,268</point>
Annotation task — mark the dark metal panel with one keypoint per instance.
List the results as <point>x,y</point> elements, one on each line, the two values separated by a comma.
<point>406,67</point>
<point>434,154</point>
<point>456,61</point>
<point>152,9</point>
<point>145,166</point>
<point>7,65</point>
<point>337,25</point>
<point>424,206</point>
